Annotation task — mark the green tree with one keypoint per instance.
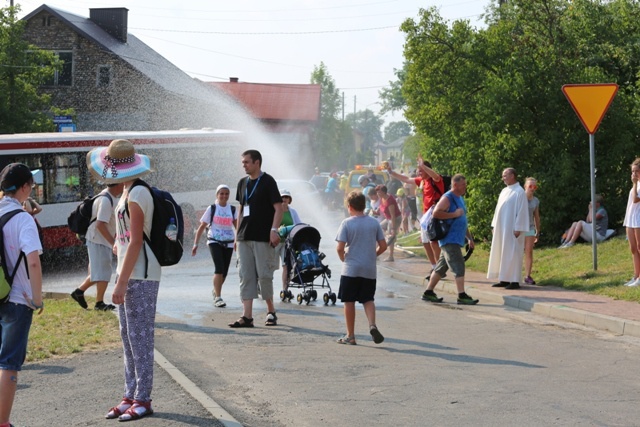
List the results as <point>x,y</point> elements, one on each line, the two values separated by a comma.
<point>23,68</point>
<point>391,97</point>
<point>368,125</point>
<point>333,142</point>
<point>485,99</point>
<point>395,130</point>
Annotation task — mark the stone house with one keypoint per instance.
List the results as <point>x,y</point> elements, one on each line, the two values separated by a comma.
<point>116,82</point>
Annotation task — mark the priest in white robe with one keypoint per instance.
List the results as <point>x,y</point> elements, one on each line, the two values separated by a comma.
<point>510,223</point>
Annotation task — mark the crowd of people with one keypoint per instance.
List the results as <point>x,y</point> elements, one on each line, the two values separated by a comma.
<point>256,230</point>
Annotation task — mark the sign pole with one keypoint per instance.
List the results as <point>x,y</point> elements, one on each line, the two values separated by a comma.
<point>594,240</point>
<point>591,102</point>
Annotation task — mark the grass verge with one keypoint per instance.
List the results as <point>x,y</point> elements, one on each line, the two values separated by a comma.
<point>570,268</point>
<point>64,328</point>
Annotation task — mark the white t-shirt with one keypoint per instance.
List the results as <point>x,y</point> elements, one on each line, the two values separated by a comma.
<point>104,211</point>
<point>20,234</point>
<point>632,215</point>
<point>141,196</point>
<point>222,229</point>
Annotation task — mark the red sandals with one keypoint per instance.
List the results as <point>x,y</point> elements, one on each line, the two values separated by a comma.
<point>136,411</point>
<point>120,409</point>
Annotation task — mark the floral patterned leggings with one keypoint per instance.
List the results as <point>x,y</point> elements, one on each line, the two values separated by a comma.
<point>137,326</point>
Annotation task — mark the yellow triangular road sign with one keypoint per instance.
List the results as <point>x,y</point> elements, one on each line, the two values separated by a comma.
<point>590,102</point>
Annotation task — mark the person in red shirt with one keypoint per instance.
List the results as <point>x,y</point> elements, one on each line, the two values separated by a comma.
<point>393,217</point>
<point>432,186</point>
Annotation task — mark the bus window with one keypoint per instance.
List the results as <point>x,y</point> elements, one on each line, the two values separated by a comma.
<point>64,178</point>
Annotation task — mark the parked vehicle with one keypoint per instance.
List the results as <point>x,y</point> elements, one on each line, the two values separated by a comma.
<point>62,179</point>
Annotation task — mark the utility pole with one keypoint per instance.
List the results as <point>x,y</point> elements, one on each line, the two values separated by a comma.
<point>343,107</point>
<point>354,108</point>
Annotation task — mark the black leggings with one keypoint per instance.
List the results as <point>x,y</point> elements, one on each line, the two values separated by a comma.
<point>221,256</point>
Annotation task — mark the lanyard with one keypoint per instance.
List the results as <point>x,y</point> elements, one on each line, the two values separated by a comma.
<point>247,197</point>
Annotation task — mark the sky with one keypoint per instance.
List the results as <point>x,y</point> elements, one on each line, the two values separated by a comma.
<point>280,41</point>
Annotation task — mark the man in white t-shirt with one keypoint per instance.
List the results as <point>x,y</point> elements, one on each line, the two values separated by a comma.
<point>100,239</point>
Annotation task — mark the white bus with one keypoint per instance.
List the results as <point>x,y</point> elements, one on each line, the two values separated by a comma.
<point>189,164</point>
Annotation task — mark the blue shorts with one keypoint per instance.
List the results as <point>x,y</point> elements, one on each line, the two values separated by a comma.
<point>15,322</point>
<point>354,289</point>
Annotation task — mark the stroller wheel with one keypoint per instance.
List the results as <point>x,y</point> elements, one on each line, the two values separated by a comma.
<point>313,294</point>
<point>283,295</point>
<point>289,295</point>
<point>333,298</point>
<point>299,298</point>
<point>325,298</point>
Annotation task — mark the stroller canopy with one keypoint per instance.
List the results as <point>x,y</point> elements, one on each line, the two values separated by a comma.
<point>303,233</point>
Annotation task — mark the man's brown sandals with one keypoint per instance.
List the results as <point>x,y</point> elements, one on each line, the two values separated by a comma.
<point>242,322</point>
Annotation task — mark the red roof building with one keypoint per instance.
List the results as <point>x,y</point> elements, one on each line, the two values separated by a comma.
<point>289,111</point>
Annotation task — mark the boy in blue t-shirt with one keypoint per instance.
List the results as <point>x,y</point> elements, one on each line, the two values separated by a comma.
<point>360,240</point>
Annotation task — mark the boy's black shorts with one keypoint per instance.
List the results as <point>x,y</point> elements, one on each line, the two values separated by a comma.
<point>358,289</point>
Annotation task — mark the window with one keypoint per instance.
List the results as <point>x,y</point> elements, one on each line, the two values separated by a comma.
<point>63,77</point>
<point>104,76</point>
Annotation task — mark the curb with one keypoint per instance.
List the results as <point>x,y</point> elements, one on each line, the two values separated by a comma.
<point>190,387</point>
<point>614,325</point>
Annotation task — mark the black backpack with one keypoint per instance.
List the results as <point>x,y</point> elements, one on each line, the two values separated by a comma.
<point>80,219</point>
<point>6,281</point>
<point>167,251</point>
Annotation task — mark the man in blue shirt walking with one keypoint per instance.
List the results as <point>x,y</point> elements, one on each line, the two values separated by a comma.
<point>451,206</point>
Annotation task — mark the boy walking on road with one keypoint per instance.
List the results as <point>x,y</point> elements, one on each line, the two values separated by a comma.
<point>100,239</point>
<point>360,240</point>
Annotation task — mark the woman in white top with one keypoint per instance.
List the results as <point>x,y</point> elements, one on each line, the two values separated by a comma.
<point>221,219</point>
<point>632,222</point>
<point>138,272</point>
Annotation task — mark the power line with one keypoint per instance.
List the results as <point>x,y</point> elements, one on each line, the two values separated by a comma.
<point>255,59</point>
<point>267,33</point>
<point>330,18</point>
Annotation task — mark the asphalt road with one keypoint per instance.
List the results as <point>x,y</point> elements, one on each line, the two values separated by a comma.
<point>484,365</point>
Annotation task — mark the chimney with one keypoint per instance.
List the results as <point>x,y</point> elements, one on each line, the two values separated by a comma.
<point>233,80</point>
<point>112,20</point>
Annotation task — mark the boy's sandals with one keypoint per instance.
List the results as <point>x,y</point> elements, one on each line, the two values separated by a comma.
<point>375,334</point>
<point>120,409</point>
<point>272,319</point>
<point>347,340</point>
<point>137,411</point>
<point>242,322</point>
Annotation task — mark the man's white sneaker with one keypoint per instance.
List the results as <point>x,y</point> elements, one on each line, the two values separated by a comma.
<point>635,284</point>
<point>630,282</point>
<point>218,302</point>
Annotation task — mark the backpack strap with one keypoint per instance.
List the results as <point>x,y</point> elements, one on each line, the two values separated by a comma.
<point>213,211</point>
<point>144,235</point>
<point>435,187</point>
<point>5,268</point>
<point>108,196</point>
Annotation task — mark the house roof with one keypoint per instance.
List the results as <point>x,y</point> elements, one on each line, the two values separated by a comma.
<point>272,101</point>
<point>140,56</point>
<point>398,143</point>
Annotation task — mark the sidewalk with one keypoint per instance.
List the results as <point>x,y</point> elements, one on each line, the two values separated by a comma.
<point>594,311</point>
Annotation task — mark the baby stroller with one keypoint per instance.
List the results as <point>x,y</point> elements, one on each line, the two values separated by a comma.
<point>304,264</point>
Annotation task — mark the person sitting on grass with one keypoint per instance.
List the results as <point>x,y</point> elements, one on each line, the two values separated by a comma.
<point>360,240</point>
<point>584,228</point>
